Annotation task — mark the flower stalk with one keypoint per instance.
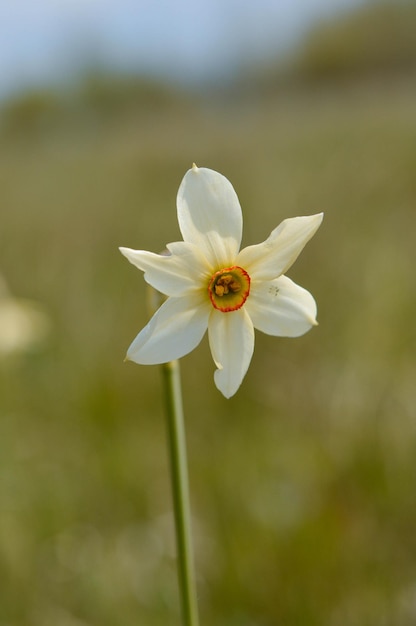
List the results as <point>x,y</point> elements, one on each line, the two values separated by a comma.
<point>180,491</point>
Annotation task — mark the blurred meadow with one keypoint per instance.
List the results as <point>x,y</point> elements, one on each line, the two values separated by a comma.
<point>303,484</point>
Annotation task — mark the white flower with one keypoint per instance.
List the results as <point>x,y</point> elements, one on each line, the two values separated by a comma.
<point>23,323</point>
<point>212,285</point>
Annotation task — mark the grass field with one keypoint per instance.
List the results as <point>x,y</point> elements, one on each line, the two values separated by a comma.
<point>303,484</point>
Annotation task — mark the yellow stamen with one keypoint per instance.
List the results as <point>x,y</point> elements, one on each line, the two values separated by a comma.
<point>225,284</point>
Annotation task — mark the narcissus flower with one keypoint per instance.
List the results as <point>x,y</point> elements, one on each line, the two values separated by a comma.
<point>211,284</point>
<point>24,324</point>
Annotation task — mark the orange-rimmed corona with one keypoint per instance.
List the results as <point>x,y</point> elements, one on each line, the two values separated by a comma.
<point>229,288</point>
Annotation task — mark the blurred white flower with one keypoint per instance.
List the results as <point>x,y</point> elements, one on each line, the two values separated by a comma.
<point>23,324</point>
<point>212,285</point>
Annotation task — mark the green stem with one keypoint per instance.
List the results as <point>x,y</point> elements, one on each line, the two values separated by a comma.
<point>180,489</point>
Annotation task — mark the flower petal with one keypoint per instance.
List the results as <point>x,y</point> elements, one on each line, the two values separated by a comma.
<point>270,259</point>
<point>281,307</point>
<point>231,339</point>
<point>176,328</point>
<point>209,215</point>
<point>175,274</point>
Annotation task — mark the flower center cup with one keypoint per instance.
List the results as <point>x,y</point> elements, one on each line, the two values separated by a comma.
<point>229,289</point>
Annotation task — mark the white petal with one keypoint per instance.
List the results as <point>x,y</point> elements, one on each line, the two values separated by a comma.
<point>231,339</point>
<point>174,330</point>
<point>175,274</point>
<point>209,215</point>
<point>281,307</point>
<point>270,259</point>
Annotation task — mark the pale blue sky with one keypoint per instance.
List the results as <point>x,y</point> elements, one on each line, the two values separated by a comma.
<point>42,40</point>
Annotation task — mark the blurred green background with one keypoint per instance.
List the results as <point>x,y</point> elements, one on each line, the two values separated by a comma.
<point>303,484</point>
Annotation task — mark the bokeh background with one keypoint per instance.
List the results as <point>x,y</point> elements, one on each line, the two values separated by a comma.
<point>303,484</point>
